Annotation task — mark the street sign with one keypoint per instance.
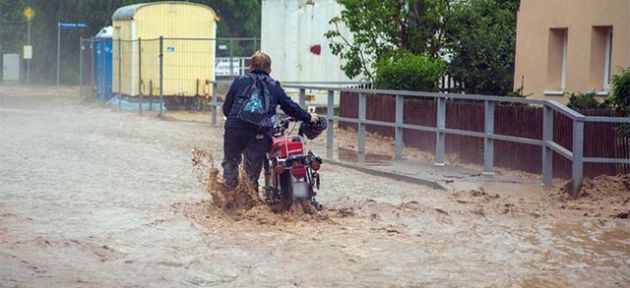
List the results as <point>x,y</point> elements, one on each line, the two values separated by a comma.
<point>28,52</point>
<point>64,26</point>
<point>29,13</point>
<point>69,26</point>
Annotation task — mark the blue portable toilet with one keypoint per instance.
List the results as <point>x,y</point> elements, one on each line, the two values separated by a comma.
<point>103,63</point>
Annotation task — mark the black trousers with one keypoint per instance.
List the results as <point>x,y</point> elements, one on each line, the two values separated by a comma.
<point>247,144</point>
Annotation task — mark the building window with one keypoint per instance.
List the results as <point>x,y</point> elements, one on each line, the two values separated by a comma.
<point>608,58</point>
<point>557,61</point>
<point>601,59</point>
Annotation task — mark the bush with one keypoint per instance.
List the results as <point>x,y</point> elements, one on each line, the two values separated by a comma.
<point>581,101</point>
<point>620,99</point>
<point>406,71</point>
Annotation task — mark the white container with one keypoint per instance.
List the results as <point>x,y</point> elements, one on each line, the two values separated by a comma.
<point>290,28</point>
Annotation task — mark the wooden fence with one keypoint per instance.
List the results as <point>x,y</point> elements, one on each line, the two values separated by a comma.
<point>600,139</point>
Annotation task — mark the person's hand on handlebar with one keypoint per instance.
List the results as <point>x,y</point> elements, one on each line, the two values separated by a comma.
<point>314,118</point>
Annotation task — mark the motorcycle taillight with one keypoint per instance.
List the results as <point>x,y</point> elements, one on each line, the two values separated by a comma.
<point>298,171</point>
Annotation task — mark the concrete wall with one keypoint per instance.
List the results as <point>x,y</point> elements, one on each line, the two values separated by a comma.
<point>585,22</point>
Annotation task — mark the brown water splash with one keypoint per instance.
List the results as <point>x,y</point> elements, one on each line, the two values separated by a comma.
<point>242,198</point>
<point>244,202</point>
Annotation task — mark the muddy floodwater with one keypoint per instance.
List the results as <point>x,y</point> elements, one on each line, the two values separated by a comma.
<point>91,197</point>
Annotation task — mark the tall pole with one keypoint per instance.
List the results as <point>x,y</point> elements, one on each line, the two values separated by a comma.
<point>140,74</point>
<point>28,61</point>
<point>161,75</point>
<point>80,68</point>
<point>232,58</point>
<point>58,50</point>
<point>119,73</point>
<point>103,48</point>
<point>92,56</point>
<point>1,37</point>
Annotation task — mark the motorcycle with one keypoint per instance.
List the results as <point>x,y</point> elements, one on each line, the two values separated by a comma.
<point>291,170</point>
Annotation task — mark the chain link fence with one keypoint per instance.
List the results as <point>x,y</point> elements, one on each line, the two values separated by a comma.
<point>170,76</point>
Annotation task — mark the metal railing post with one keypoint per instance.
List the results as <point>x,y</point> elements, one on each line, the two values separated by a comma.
<point>214,104</point>
<point>103,69</point>
<point>547,153</point>
<point>302,98</point>
<point>255,43</point>
<point>330,134</point>
<point>161,75</point>
<point>232,58</point>
<point>488,142</point>
<point>92,57</point>
<point>577,170</point>
<point>58,53</point>
<point>119,74</point>
<point>81,68</point>
<point>151,95</point>
<point>140,76</point>
<point>362,118</point>
<point>440,135</point>
<point>398,138</point>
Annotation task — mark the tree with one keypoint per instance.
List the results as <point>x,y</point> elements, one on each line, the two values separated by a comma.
<point>11,23</point>
<point>584,101</point>
<point>406,71</point>
<point>380,27</point>
<point>239,18</point>
<point>481,36</point>
<point>620,99</point>
<point>477,37</point>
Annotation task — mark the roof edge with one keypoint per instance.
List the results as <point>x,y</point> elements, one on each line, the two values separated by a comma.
<point>127,12</point>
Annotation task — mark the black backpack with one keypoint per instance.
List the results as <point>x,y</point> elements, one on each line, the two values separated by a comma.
<point>256,103</point>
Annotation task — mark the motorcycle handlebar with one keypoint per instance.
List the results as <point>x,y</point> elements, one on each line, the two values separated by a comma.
<point>282,125</point>
<point>285,122</point>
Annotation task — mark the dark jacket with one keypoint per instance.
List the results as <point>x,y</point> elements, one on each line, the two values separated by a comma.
<point>278,97</point>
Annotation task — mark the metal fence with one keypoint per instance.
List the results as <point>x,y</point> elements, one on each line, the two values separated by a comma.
<point>169,76</point>
<point>601,139</point>
<point>549,147</point>
<point>176,73</point>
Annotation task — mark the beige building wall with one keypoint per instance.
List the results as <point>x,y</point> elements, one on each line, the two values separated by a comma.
<point>548,69</point>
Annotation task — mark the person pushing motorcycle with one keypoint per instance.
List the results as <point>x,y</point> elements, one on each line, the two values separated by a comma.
<point>250,106</point>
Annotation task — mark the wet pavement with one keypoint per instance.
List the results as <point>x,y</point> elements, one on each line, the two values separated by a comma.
<point>96,198</point>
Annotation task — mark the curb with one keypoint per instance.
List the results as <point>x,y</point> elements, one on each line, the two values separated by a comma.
<point>413,180</point>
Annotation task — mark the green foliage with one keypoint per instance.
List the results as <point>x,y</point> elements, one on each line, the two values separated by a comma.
<point>406,71</point>
<point>583,101</point>
<point>380,27</point>
<point>481,37</point>
<point>620,99</point>
<point>477,36</point>
<point>239,18</point>
<point>518,93</point>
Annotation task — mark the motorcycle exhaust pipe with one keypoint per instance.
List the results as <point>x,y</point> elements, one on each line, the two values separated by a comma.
<point>317,205</point>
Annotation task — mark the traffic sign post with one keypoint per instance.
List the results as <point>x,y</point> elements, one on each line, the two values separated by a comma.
<point>29,13</point>
<point>28,52</point>
<point>64,26</point>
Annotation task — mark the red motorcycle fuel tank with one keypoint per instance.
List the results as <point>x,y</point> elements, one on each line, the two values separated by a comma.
<point>286,146</point>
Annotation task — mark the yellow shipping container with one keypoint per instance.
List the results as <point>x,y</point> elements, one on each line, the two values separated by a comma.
<point>189,32</point>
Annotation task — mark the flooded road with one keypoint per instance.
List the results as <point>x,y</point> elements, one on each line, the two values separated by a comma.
<point>95,198</point>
